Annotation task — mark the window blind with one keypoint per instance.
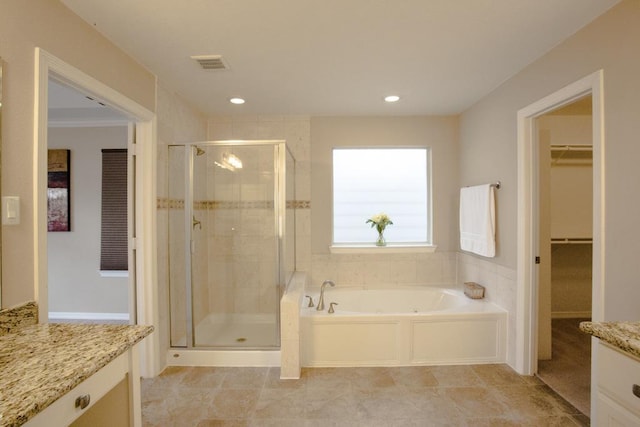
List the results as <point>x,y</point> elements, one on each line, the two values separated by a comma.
<point>368,181</point>
<point>113,236</point>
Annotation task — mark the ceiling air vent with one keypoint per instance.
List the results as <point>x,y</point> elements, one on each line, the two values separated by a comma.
<point>211,62</point>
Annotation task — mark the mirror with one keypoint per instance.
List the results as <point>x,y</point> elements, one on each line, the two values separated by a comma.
<point>0,185</point>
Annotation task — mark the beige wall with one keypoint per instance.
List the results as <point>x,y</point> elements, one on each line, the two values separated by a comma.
<point>488,143</point>
<point>25,25</point>
<point>440,134</point>
<point>385,270</point>
<point>74,280</point>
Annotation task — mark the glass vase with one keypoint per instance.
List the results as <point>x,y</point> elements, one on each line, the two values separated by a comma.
<point>381,241</point>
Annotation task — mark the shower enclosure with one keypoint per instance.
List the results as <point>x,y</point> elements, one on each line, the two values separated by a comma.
<point>231,242</point>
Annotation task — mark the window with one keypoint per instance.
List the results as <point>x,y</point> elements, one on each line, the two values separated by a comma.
<point>368,181</point>
<point>113,237</point>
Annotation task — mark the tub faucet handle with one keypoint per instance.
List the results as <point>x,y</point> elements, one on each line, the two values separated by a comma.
<point>310,301</point>
<point>331,310</point>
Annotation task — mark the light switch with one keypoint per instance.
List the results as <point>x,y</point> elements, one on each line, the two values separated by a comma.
<point>10,210</point>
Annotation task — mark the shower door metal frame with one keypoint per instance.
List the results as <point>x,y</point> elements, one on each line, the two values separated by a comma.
<point>280,204</point>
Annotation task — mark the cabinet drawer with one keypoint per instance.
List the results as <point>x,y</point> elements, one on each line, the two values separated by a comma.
<point>63,411</point>
<point>610,414</point>
<point>617,375</point>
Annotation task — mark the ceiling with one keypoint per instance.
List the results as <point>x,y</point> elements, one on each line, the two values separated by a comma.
<point>68,107</point>
<point>337,57</point>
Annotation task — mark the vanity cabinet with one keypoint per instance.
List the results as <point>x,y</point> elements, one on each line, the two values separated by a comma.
<point>71,374</point>
<point>618,395</point>
<point>82,398</point>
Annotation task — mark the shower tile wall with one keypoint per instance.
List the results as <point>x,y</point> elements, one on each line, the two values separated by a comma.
<point>239,208</point>
<point>295,130</point>
<point>385,270</point>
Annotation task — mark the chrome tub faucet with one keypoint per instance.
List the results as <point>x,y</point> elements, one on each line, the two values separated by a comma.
<point>320,306</point>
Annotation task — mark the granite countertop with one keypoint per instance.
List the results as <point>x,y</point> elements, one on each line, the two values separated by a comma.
<point>40,363</point>
<point>622,335</point>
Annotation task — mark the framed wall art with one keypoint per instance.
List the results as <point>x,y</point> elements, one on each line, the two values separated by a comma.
<point>59,190</point>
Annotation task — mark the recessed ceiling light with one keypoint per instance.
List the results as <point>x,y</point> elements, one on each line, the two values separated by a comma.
<point>236,101</point>
<point>392,98</point>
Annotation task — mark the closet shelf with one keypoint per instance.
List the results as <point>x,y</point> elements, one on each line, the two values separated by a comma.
<point>571,154</point>
<point>571,240</point>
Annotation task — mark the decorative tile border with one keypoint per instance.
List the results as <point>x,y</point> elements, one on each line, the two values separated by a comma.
<point>298,204</point>
<point>164,203</point>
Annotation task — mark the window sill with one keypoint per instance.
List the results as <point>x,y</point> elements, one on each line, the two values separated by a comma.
<point>114,273</point>
<point>391,248</point>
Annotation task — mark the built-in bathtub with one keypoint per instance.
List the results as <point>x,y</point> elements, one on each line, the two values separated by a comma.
<point>399,327</point>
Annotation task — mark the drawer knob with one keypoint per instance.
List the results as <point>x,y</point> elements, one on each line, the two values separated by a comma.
<point>636,390</point>
<point>83,401</point>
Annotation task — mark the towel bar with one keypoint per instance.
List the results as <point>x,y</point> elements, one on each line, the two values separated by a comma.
<point>496,185</point>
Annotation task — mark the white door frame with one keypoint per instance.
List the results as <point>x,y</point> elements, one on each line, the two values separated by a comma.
<point>527,300</point>
<point>145,194</point>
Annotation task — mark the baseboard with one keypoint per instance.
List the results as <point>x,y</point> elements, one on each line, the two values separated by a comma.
<point>571,315</point>
<point>75,315</point>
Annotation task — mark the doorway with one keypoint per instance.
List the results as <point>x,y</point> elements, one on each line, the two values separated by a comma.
<point>143,265</point>
<point>88,208</point>
<point>565,229</point>
<point>526,329</point>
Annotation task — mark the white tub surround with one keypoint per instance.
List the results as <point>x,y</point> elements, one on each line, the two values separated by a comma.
<point>402,327</point>
<point>290,327</point>
<point>500,288</point>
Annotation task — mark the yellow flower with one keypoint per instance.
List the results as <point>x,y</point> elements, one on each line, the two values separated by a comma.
<point>380,221</point>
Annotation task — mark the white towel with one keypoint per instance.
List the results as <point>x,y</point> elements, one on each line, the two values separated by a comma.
<point>478,220</point>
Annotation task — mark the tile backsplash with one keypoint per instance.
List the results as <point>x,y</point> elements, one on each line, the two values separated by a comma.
<point>384,270</point>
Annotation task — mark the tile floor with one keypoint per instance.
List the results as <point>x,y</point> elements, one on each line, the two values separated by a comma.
<point>477,395</point>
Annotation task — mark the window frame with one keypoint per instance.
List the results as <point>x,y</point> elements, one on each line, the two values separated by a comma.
<point>398,247</point>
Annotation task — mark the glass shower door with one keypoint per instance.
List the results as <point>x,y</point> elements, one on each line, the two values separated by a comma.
<point>234,246</point>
